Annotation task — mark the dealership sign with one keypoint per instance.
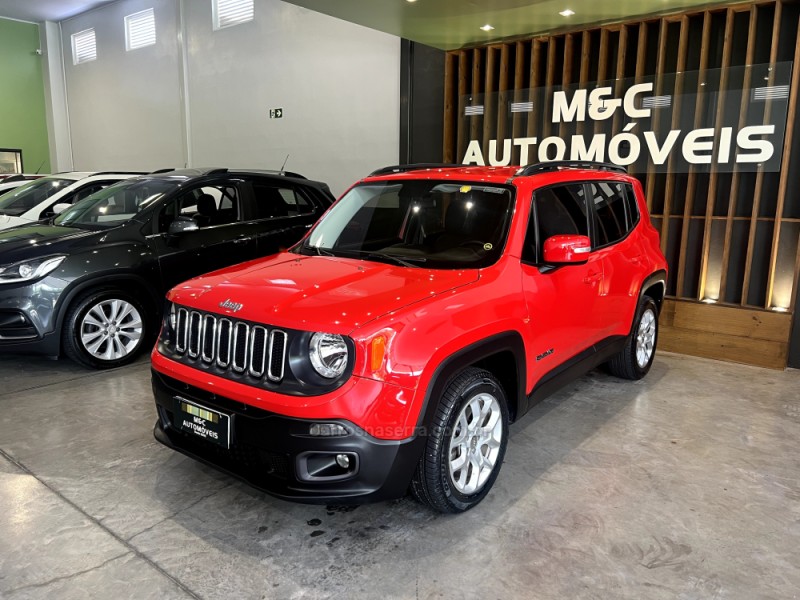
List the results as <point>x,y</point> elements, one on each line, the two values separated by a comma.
<point>714,120</point>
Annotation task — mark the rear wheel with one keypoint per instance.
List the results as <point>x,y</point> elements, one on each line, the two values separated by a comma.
<point>636,358</point>
<point>466,444</point>
<point>105,329</point>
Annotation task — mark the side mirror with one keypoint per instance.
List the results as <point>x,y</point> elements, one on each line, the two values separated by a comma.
<point>61,207</point>
<point>567,249</point>
<point>182,224</point>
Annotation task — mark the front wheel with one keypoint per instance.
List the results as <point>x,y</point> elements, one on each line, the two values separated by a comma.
<point>636,358</point>
<point>466,444</point>
<point>105,329</point>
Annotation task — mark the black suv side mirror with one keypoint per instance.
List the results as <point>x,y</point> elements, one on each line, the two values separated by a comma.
<point>181,225</point>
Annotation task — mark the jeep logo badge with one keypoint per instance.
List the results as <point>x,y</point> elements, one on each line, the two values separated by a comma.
<point>233,306</point>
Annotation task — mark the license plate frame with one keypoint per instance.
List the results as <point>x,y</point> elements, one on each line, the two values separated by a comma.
<point>202,422</point>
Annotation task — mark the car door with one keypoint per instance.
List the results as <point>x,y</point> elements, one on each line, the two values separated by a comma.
<point>217,235</point>
<point>624,264</point>
<point>561,299</point>
<point>282,213</point>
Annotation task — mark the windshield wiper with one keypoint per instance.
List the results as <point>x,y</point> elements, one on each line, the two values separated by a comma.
<point>319,251</point>
<point>403,262</point>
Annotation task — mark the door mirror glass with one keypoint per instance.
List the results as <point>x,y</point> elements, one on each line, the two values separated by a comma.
<point>565,249</point>
<point>182,224</point>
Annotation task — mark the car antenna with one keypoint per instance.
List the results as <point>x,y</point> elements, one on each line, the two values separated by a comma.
<point>40,168</point>
<point>283,166</point>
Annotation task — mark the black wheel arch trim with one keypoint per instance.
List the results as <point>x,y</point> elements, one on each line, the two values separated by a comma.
<point>657,277</point>
<point>507,341</point>
<point>73,292</point>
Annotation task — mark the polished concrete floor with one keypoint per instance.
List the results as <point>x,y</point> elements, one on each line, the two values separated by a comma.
<point>684,485</point>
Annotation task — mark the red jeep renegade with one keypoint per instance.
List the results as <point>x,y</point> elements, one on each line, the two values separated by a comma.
<point>430,307</point>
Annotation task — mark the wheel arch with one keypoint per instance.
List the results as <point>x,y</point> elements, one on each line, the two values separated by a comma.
<point>502,354</point>
<point>655,286</point>
<point>131,283</point>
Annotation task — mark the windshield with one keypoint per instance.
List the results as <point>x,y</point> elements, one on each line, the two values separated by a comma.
<point>115,204</point>
<point>26,196</point>
<point>440,225</point>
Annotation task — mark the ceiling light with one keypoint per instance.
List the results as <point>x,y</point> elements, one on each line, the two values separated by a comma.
<point>487,27</point>
<point>567,13</point>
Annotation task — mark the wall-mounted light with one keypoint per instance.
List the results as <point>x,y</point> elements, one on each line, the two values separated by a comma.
<point>780,309</point>
<point>487,27</point>
<point>567,12</point>
<point>709,301</point>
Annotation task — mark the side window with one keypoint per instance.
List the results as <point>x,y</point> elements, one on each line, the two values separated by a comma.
<point>207,206</point>
<point>609,201</point>
<point>276,201</point>
<point>633,207</point>
<point>558,210</point>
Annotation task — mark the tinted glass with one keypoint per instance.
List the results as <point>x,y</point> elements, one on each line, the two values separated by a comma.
<point>115,204</point>
<point>275,201</point>
<point>31,194</point>
<point>609,206</point>
<point>436,224</point>
<point>633,208</point>
<point>206,206</point>
<point>560,210</point>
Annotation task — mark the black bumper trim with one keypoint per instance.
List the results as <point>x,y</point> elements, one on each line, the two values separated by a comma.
<point>265,448</point>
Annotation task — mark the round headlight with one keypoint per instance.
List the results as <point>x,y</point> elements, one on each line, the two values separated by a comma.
<point>328,354</point>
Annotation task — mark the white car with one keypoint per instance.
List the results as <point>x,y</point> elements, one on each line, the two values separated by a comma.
<point>14,181</point>
<point>48,196</point>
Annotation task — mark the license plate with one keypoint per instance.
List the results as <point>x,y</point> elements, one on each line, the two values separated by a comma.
<point>207,424</point>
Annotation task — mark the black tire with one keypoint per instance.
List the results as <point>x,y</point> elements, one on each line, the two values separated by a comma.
<point>626,364</point>
<point>76,325</point>
<point>433,483</point>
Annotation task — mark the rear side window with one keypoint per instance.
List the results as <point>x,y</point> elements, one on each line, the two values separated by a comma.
<point>277,201</point>
<point>615,211</point>
<point>559,210</point>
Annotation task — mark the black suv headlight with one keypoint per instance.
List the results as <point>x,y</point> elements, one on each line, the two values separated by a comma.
<point>27,270</point>
<point>328,354</point>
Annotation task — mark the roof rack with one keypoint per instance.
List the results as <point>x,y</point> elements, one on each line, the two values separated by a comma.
<point>165,170</point>
<point>119,173</point>
<point>414,167</point>
<point>546,167</point>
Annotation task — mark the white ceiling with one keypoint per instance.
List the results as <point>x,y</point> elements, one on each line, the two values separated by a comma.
<point>46,10</point>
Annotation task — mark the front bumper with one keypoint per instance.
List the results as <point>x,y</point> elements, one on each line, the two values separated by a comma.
<point>272,452</point>
<point>27,318</point>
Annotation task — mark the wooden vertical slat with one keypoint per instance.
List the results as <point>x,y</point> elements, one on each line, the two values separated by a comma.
<point>783,182</point>
<point>677,99</point>
<point>450,107</point>
<point>619,74</point>
<point>463,90</point>
<point>501,106</point>
<point>566,75</point>
<point>602,69</point>
<point>736,176</point>
<point>727,45</point>
<point>549,79</point>
<point>489,100</point>
<point>691,182</point>
<point>535,83</point>
<point>519,86</point>
<point>477,70</point>
<point>661,59</point>
<point>583,76</point>
<point>751,236</point>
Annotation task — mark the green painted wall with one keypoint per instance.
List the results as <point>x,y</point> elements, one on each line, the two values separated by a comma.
<point>22,111</point>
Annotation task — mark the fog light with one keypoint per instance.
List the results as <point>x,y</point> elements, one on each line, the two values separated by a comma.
<point>343,461</point>
<point>327,430</point>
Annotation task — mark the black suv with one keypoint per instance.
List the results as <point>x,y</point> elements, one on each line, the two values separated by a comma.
<point>90,282</point>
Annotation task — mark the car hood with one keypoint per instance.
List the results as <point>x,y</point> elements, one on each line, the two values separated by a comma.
<point>315,293</point>
<point>32,241</point>
<point>7,221</point>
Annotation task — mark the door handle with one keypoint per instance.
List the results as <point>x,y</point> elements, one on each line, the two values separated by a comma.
<point>242,240</point>
<point>593,277</point>
<point>637,259</point>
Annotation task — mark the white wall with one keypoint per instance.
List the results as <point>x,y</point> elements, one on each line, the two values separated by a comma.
<point>338,84</point>
<point>125,109</point>
<point>55,97</point>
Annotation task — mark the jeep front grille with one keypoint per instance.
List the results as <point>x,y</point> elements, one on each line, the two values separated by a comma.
<point>229,345</point>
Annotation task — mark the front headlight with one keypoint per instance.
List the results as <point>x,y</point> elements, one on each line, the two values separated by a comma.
<point>29,269</point>
<point>328,354</point>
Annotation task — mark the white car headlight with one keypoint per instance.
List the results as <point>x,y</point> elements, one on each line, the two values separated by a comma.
<point>328,354</point>
<point>29,269</point>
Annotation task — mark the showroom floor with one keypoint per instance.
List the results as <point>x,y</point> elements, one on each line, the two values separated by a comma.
<point>684,485</point>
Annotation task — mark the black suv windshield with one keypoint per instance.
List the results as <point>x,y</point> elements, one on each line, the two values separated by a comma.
<point>28,195</point>
<point>435,224</point>
<point>115,204</point>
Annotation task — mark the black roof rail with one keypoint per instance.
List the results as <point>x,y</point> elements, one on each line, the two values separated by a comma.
<point>413,167</point>
<point>165,170</point>
<point>546,167</point>
<point>216,171</point>
<point>118,173</point>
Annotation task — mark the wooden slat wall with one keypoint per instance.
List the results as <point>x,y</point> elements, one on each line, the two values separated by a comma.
<point>731,238</point>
